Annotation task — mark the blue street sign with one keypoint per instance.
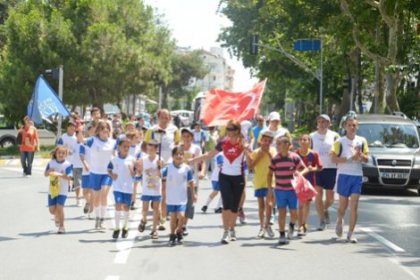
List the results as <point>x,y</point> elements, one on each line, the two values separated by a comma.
<point>307,45</point>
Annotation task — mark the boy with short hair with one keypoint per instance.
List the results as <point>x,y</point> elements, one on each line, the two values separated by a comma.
<point>284,166</point>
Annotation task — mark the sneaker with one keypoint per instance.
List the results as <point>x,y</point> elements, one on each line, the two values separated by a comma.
<point>218,210</point>
<point>270,232</point>
<point>261,233</point>
<point>124,232</point>
<point>101,224</point>
<point>339,229</point>
<point>133,206</point>
<point>172,240</point>
<point>322,225</point>
<point>242,218</point>
<point>185,231</point>
<point>283,240</point>
<point>61,230</point>
<point>204,209</point>
<point>162,224</point>
<point>86,208</point>
<point>225,237</point>
<point>301,231</point>
<point>142,226</point>
<point>179,237</point>
<point>97,222</point>
<point>305,228</point>
<point>290,232</point>
<point>327,217</point>
<point>116,233</point>
<point>232,235</point>
<point>154,234</point>
<point>271,222</point>
<point>56,221</point>
<point>351,239</point>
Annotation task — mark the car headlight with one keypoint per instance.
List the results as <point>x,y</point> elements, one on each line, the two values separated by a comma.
<point>417,162</point>
<point>371,161</point>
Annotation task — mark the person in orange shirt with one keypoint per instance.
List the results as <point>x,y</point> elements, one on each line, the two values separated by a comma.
<point>28,145</point>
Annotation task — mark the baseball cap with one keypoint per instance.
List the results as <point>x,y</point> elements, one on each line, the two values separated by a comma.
<point>186,129</point>
<point>267,133</point>
<point>153,142</point>
<point>274,116</point>
<point>324,116</point>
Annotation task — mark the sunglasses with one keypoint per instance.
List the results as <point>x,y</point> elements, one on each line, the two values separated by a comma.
<point>231,128</point>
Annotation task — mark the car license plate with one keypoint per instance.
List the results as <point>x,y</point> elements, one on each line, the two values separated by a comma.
<point>390,175</point>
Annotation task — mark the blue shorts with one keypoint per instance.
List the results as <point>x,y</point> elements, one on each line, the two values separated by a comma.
<point>151,198</point>
<point>349,184</point>
<point>60,200</point>
<point>215,186</point>
<point>326,178</point>
<point>286,199</point>
<point>261,192</point>
<point>176,208</point>
<point>86,182</point>
<point>137,179</point>
<point>98,181</point>
<point>122,198</point>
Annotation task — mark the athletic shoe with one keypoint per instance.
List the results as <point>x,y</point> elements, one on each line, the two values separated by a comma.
<point>225,237</point>
<point>351,239</point>
<point>172,240</point>
<point>270,232</point>
<point>184,231</point>
<point>218,210</point>
<point>204,209</point>
<point>56,221</point>
<point>124,232</point>
<point>97,222</point>
<point>305,228</point>
<point>322,225</point>
<point>283,240</point>
<point>300,231</point>
<point>261,233</point>
<point>242,218</point>
<point>327,217</point>
<point>132,206</point>
<point>86,208</point>
<point>101,224</point>
<point>271,222</point>
<point>232,235</point>
<point>61,230</point>
<point>142,226</point>
<point>290,232</point>
<point>154,234</point>
<point>162,224</point>
<point>179,237</point>
<point>339,229</point>
<point>116,233</point>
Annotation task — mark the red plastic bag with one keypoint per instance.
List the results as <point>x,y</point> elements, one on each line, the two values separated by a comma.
<point>303,188</point>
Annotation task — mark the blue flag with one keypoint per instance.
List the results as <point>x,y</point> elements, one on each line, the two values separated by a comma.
<point>45,102</point>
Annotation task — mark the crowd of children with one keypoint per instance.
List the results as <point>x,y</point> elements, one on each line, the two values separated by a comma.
<point>168,173</point>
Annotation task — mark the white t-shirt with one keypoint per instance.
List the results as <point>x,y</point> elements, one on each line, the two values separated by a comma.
<point>281,131</point>
<point>193,152</point>
<point>177,179</point>
<point>64,167</point>
<point>100,154</point>
<point>85,151</point>
<point>233,158</point>
<point>168,140</point>
<point>322,143</point>
<point>218,159</point>
<point>135,151</point>
<point>121,167</point>
<point>70,141</point>
<point>344,147</point>
<point>151,182</point>
<point>77,162</point>
<point>199,137</point>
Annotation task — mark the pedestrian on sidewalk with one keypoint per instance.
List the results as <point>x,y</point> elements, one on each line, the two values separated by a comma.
<point>60,172</point>
<point>28,145</point>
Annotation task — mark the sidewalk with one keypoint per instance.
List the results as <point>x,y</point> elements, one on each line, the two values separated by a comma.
<point>15,162</point>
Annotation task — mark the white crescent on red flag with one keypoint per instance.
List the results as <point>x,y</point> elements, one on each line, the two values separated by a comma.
<point>220,106</point>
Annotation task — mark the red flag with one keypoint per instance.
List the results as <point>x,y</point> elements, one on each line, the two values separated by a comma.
<point>221,106</point>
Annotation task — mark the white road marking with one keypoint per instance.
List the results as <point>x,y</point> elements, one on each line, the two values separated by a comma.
<point>112,277</point>
<point>383,240</point>
<point>407,270</point>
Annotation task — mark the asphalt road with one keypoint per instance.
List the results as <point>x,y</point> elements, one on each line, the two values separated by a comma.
<point>388,248</point>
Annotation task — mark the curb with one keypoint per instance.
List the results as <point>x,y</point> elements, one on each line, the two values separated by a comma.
<point>15,162</point>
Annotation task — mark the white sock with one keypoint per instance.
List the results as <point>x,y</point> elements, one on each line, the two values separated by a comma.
<point>103,211</point>
<point>117,219</point>
<point>219,203</point>
<point>126,216</point>
<point>98,212</point>
<point>209,199</point>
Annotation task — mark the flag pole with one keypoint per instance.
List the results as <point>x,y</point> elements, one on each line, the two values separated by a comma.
<point>60,95</point>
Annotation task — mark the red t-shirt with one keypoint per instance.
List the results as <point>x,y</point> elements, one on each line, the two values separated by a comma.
<point>311,158</point>
<point>29,139</point>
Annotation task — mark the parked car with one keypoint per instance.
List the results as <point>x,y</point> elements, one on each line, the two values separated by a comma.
<point>186,116</point>
<point>394,160</point>
<point>9,133</point>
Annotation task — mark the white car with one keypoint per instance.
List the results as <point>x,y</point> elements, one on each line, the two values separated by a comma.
<point>185,115</point>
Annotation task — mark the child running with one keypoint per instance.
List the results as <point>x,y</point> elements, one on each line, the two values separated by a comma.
<point>214,182</point>
<point>313,163</point>
<point>121,170</point>
<point>150,166</point>
<point>135,151</point>
<point>60,172</point>
<point>177,177</point>
<point>259,161</point>
<point>284,165</point>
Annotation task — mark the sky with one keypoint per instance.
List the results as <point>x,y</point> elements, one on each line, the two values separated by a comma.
<point>195,24</point>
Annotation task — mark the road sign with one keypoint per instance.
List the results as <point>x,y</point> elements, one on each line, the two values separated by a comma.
<point>307,45</point>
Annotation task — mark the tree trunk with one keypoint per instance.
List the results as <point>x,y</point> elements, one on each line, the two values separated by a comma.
<point>381,92</point>
<point>392,80</point>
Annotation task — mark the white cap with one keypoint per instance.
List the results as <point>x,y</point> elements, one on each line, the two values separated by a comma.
<point>274,116</point>
<point>324,116</point>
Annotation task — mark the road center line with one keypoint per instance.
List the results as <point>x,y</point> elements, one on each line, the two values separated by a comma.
<point>112,277</point>
<point>383,240</point>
